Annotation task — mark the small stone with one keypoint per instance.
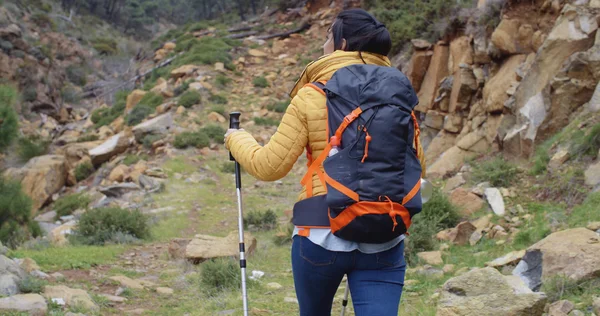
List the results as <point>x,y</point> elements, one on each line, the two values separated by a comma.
<point>274,286</point>
<point>595,226</point>
<point>495,200</point>
<point>563,307</point>
<point>127,282</point>
<point>475,238</point>
<point>291,300</point>
<point>448,268</point>
<point>57,275</point>
<point>256,275</point>
<point>114,299</point>
<point>444,247</point>
<point>164,290</point>
<point>559,159</point>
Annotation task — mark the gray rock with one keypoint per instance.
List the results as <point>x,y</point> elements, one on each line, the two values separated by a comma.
<point>3,249</point>
<point>111,147</point>
<point>494,198</point>
<point>46,217</point>
<point>33,304</point>
<point>149,183</point>
<point>159,125</point>
<point>118,190</point>
<point>9,284</point>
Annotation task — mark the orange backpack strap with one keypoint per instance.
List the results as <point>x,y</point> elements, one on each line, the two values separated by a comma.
<point>314,166</point>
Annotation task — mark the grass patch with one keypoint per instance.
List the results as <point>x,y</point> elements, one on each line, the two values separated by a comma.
<point>32,284</point>
<point>189,99</point>
<point>182,88</point>
<point>222,80</point>
<point>228,167</point>
<point>191,139</point>
<point>105,46</point>
<point>74,257</point>
<point>585,213</point>
<point>151,100</point>
<point>266,121</point>
<point>563,288</point>
<point>76,75</point>
<point>66,205</point>
<point>260,82</point>
<point>151,139</point>
<point>206,50</point>
<point>16,224</point>
<point>9,129</point>
<point>105,116</point>
<point>261,220</point>
<point>218,108</point>
<point>111,225</point>
<point>278,107</point>
<point>30,147</point>
<point>538,228</point>
<point>587,144</point>
<point>566,186</point>
<point>83,171</point>
<point>218,275</point>
<point>437,214</point>
<point>498,172</point>
<point>214,132</point>
<point>138,114</point>
<point>218,99</point>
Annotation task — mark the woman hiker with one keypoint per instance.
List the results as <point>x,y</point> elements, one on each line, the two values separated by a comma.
<point>320,261</point>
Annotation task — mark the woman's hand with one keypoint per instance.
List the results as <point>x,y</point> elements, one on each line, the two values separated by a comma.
<point>231,131</point>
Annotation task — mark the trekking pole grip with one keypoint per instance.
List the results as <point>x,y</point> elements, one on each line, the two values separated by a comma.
<point>234,122</point>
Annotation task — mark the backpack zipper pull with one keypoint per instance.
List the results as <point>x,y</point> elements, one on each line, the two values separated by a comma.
<point>368,138</point>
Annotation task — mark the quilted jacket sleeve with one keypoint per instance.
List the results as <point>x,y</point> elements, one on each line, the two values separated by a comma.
<point>274,160</point>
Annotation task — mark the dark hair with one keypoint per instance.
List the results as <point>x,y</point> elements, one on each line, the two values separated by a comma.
<point>363,33</point>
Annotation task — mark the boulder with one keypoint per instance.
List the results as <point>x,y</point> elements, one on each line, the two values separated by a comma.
<point>573,32</point>
<point>494,92</point>
<point>512,36</point>
<point>417,67</point>
<point>216,117</point>
<point>71,297</point>
<point>559,158</point>
<point>127,282</point>
<point>431,257</point>
<point>10,276</point>
<point>450,161</point>
<point>461,233</point>
<point>438,69</point>
<point>110,148</point>
<point>453,123</point>
<point>119,190</point>
<point>461,52</point>
<point>454,183</point>
<point>560,308</point>
<point>464,87</point>
<point>487,292</point>
<point>183,71</point>
<point>119,173</point>
<point>162,88</point>
<point>467,202</point>
<point>442,142</point>
<point>495,200</point>
<point>257,53</point>
<point>571,253</point>
<point>159,125</point>
<point>592,175</point>
<point>32,304</point>
<point>29,265</point>
<point>41,177</point>
<point>133,99</point>
<point>474,141</point>
<point>58,236</point>
<point>203,247</point>
<point>510,258</point>
<point>434,119</point>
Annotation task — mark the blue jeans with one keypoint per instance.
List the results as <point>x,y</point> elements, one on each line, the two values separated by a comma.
<point>375,280</point>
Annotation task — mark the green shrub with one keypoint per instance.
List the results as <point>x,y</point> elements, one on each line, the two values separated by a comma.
<point>219,274</point>
<point>189,99</point>
<point>561,287</point>
<point>16,224</point>
<point>588,144</point>
<point>266,121</point>
<point>43,20</point>
<point>32,284</point>
<point>32,147</point>
<point>66,205</point>
<point>105,116</point>
<point>151,139</point>
<point>182,88</point>
<point>218,108</point>
<point>193,139</point>
<point>138,114</point>
<point>214,132</point>
<point>222,80</point>
<point>228,167</point>
<point>9,128</point>
<point>70,95</point>
<point>105,46</point>
<point>199,26</point>
<point>260,82</point>
<point>76,75</point>
<point>278,107</point>
<point>437,214</point>
<point>29,94</point>
<point>261,220</point>
<point>151,99</point>
<point>46,7</point>
<point>498,172</point>
<point>87,138</point>
<point>218,99</point>
<point>206,50</point>
<point>102,225</point>
<point>131,160</point>
<point>83,171</point>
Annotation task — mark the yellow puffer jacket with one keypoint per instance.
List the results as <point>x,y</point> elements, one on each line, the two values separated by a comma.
<point>303,123</point>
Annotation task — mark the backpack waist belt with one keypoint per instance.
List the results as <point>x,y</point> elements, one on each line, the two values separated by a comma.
<point>311,213</point>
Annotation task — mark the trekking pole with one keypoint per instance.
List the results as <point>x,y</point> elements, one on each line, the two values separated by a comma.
<point>234,122</point>
<point>426,193</point>
<point>345,301</point>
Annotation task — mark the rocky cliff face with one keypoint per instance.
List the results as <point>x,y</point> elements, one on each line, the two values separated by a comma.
<point>510,89</point>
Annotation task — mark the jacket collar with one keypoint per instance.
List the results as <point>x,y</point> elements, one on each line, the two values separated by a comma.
<point>324,67</point>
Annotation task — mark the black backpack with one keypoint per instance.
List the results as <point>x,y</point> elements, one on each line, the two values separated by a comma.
<point>373,182</point>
